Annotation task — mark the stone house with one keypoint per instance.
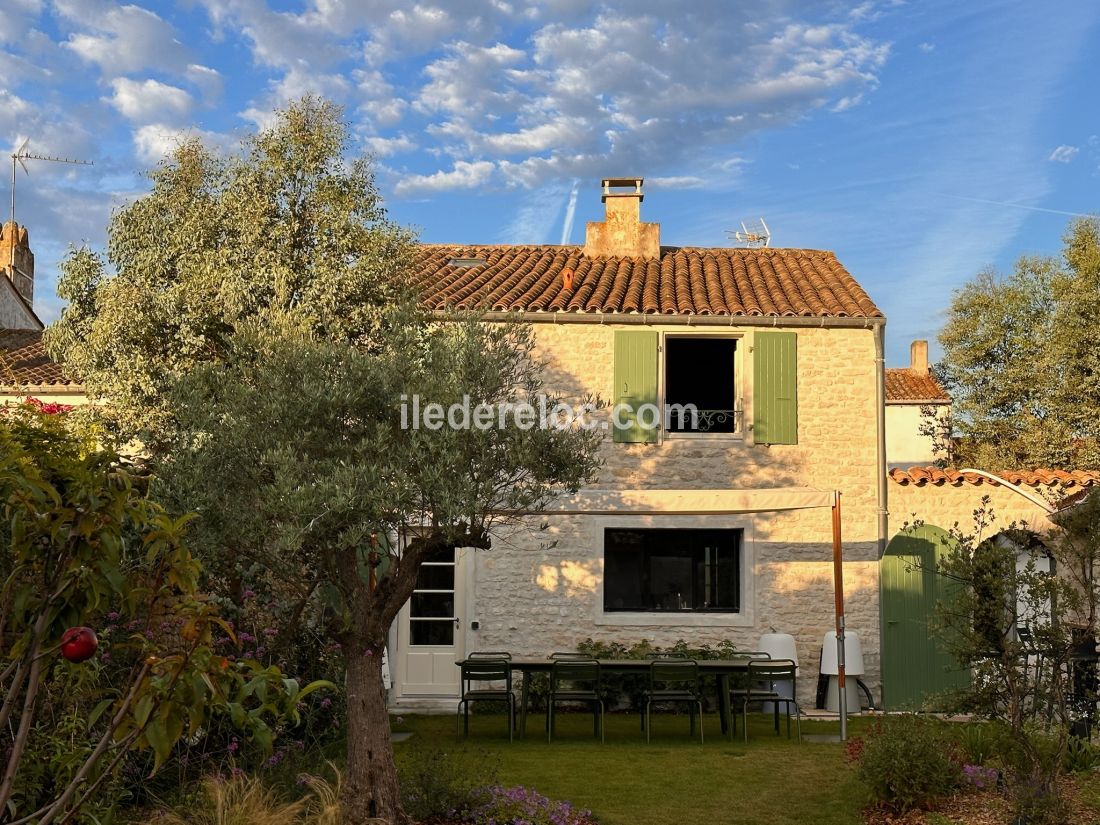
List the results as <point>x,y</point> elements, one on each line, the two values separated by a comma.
<point>705,531</point>
<point>701,528</point>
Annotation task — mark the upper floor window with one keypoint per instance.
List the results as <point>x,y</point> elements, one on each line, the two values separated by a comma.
<point>700,385</point>
<point>709,373</point>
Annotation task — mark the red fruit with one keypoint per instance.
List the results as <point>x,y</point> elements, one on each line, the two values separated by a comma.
<point>78,644</point>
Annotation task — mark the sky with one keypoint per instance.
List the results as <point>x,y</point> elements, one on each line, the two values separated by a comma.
<point>922,141</point>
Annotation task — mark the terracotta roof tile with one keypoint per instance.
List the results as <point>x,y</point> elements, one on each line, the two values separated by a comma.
<point>1030,478</point>
<point>685,281</point>
<point>902,384</point>
<point>25,363</point>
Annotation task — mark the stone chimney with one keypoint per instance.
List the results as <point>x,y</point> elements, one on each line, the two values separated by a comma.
<point>621,234</point>
<point>17,260</point>
<point>918,357</point>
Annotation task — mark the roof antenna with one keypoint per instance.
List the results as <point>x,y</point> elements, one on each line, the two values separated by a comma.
<point>751,234</point>
<point>21,154</point>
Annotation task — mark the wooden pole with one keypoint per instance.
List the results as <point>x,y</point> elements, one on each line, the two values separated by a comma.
<point>838,597</point>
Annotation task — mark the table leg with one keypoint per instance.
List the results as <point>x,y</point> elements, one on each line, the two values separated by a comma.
<point>724,701</point>
<point>523,705</point>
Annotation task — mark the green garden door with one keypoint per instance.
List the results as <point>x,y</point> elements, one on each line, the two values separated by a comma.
<point>915,667</point>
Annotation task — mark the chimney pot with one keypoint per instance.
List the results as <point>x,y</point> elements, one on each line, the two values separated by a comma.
<point>918,357</point>
<point>621,234</point>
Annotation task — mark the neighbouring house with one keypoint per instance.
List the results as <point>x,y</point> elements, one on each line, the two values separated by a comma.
<point>700,529</point>
<point>915,405</point>
<point>26,370</point>
<point>17,283</point>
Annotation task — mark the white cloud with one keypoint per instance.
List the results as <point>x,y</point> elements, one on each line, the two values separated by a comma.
<point>847,102</point>
<point>1064,154</point>
<point>676,182</point>
<point>149,101</point>
<point>122,39</point>
<point>385,146</point>
<point>208,81</point>
<point>578,101</point>
<point>926,47</point>
<point>155,141</point>
<point>464,175</point>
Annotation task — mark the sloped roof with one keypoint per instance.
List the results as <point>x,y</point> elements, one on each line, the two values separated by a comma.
<point>684,281</point>
<point>903,385</point>
<point>24,362</point>
<point>1030,478</point>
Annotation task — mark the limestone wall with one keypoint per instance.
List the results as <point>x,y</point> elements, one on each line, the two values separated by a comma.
<point>540,591</point>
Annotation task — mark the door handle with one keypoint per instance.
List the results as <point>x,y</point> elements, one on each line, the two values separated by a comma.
<point>458,622</point>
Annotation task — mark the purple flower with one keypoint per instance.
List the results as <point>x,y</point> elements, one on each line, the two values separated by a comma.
<point>248,594</point>
<point>113,616</point>
<point>233,745</point>
<point>326,703</point>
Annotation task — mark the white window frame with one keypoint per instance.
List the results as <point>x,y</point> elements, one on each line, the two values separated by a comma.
<point>744,522</point>
<point>739,361</point>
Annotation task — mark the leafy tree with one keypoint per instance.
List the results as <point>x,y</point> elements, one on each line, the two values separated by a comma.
<point>330,491</point>
<point>1021,364</point>
<point>284,227</point>
<point>259,337</point>
<point>82,545</point>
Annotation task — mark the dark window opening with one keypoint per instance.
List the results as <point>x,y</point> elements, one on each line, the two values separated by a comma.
<point>699,374</point>
<point>672,570</point>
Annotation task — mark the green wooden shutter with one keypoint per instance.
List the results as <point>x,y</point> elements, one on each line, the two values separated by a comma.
<point>775,388</point>
<point>635,384</point>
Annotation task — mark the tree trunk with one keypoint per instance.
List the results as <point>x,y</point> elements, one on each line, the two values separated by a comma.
<point>370,784</point>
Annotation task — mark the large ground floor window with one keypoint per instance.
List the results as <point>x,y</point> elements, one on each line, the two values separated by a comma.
<point>667,570</point>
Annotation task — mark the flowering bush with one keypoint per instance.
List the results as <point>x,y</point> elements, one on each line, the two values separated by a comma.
<point>907,762</point>
<point>522,806</point>
<point>983,779</point>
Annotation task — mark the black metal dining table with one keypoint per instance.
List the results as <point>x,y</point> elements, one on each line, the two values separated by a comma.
<point>723,669</point>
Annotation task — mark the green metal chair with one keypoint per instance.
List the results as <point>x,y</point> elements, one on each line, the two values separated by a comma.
<point>481,678</point>
<point>674,680</point>
<point>764,676</point>
<point>575,680</point>
<point>491,654</point>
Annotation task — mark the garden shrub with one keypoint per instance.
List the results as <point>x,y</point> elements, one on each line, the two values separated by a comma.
<point>522,806</point>
<point>1033,762</point>
<point>978,742</point>
<point>1080,756</point>
<point>243,799</point>
<point>907,762</point>
<point>434,785</point>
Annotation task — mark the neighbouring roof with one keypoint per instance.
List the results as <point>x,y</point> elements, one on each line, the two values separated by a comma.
<point>904,386</point>
<point>25,363</point>
<point>684,281</point>
<point>1031,478</point>
<point>1072,500</point>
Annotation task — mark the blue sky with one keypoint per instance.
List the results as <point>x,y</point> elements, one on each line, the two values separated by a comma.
<point>921,141</point>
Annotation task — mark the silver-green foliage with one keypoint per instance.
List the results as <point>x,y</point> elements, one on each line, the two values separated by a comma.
<point>285,226</point>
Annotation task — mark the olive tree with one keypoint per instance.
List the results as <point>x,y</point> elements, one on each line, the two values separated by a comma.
<point>298,456</point>
<point>252,326</point>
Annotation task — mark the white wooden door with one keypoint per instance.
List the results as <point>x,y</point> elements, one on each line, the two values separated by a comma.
<point>431,630</point>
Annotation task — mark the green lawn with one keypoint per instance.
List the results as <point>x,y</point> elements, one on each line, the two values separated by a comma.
<point>672,781</point>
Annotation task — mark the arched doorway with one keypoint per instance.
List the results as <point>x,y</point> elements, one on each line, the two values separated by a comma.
<point>915,667</point>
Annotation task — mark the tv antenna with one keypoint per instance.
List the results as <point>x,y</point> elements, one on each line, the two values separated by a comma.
<point>752,234</point>
<point>21,154</point>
